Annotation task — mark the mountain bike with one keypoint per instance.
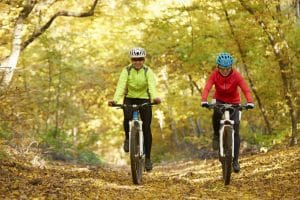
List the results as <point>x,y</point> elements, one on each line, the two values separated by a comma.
<point>136,141</point>
<point>226,138</point>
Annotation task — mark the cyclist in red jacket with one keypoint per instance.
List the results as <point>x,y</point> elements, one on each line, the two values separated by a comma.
<point>226,81</point>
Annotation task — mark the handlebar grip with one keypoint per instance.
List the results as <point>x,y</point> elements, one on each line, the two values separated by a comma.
<point>133,106</point>
<point>117,105</point>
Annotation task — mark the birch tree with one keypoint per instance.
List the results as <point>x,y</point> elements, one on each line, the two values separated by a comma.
<point>8,65</point>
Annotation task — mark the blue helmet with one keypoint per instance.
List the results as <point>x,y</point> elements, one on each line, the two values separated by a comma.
<point>224,59</point>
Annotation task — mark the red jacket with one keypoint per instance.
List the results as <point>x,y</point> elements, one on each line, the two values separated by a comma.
<point>226,87</point>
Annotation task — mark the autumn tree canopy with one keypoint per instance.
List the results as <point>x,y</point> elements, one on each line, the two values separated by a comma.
<point>61,60</point>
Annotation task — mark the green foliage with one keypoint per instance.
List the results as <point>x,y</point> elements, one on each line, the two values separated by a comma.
<point>266,140</point>
<point>56,139</point>
<point>4,134</point>
<point>162,152</point>
<point>61,147</point>
<point>89,157</point>
<point>88,142</point>
<point>65,77</point>
<point>199,142</point>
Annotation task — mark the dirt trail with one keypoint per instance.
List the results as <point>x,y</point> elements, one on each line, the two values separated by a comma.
<point>273,175</point>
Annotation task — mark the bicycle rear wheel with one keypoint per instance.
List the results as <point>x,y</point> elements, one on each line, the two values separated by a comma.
<point>135,159</point>
<point>227,160</point>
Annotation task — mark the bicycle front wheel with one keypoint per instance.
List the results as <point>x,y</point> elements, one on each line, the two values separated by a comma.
<point>135,158</point>
<point>227,160</point>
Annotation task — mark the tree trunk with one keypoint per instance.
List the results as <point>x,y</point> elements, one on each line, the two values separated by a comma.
<point>58,95</point>
<point>194,84</point>
<point>281,52</point>
<point>174,135</point>
<point>297,2</point>
<point>252,85</point>
<point>9,64</point>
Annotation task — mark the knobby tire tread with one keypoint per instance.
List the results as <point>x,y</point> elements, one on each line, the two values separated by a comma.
<point>227,162</point>
<point>136,163</point>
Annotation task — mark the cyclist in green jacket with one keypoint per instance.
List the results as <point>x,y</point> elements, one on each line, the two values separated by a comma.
<point>138,85</point>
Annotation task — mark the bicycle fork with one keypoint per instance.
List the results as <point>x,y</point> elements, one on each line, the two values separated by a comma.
<point>141,139</point>
<point>226,122</point>
<point>139,124</point>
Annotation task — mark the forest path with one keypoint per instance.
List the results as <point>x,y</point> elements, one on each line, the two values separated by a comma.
<point>272,175</point>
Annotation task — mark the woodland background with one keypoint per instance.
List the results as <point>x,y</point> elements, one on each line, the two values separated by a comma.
<point>60,62</point>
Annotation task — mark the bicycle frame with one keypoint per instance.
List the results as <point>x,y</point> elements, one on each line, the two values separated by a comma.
<point>226,143</point>
<point>135,120</point>
<point>136,143</point>
<point>225,122</point>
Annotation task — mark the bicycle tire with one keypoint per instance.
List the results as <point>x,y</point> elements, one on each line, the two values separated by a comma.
<point>135,159</point>
<point>227,160</point>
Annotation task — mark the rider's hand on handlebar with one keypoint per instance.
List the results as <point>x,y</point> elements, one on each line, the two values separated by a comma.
<point>157,100</point>
<point>111,102</point>
<point>250,106</point>
<point>204,104</point>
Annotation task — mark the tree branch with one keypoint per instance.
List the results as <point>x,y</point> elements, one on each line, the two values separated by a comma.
<point>9,63</point>
<point>243,56</point>
<point>261,23</point>
<point>40,31</point>
<point>285,65</point>
<point>194,84</point>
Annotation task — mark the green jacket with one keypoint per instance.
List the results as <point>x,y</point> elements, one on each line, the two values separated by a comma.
<point>139,84</point>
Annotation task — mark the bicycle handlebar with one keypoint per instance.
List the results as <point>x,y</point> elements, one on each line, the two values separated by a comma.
<point>227,106</point>
<point>134,106</point>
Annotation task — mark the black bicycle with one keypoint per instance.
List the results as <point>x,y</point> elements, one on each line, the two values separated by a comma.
<point>226,138</point>
<point>136,141</point>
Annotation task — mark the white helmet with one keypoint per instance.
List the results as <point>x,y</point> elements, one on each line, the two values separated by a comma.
<point>137,52</point>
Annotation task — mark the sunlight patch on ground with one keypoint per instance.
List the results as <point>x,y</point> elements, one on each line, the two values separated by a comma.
<point>192,166</point>
<point>201,179</point>
<point>103,184</point>
<point>265,169</point>
<point>276,163</point>
<point>193,172</point>
<point>82,169</point>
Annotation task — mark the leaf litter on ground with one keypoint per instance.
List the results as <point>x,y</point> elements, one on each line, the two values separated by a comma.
<point>271,175</point>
